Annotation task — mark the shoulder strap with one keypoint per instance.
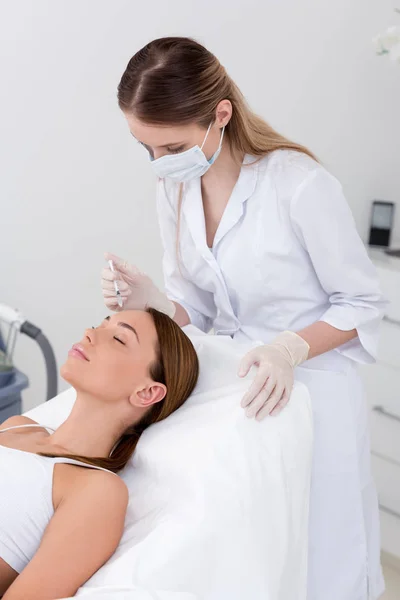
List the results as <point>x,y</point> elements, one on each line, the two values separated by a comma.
<point>72,461</point>
<point>27,425</point>
<point>59,459</point>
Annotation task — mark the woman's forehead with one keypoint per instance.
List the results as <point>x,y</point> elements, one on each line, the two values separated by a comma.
<point>160,135</point>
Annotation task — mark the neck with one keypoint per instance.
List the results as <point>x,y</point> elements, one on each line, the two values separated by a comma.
<point>91,429</point>
<point>226,168</point>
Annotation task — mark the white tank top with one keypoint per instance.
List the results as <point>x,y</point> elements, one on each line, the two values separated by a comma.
<point>26,500</point>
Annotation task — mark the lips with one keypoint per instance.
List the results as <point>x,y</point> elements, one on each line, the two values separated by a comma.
<point>78,352</point>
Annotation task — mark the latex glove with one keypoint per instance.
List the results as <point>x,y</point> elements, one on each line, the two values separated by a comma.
<point>137,289</point>
<point>272,386</point>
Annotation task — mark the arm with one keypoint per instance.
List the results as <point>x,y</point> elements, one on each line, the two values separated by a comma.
<point>82,535</point>
<point>322,337</point>
<point>324,225</point>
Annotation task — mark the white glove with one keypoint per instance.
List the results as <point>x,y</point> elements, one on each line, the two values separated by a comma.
<point>137,289</point>
<point>272,386</point>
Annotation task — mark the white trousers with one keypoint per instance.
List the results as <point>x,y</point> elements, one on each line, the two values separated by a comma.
<point>344,536</point>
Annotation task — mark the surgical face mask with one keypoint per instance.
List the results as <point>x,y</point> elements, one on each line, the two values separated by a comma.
<point>186,165</point>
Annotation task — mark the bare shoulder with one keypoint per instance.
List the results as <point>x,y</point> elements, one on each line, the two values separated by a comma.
<point>90,522</point>
<point>17,420</point>
<point>100,490</point>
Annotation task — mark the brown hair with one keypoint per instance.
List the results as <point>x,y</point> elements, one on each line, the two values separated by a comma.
<point>177,367</point>
<point>175,80</point>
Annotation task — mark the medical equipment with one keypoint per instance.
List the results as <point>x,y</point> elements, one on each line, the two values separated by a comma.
<point>16,323</point>
<point>12,382</point>
<point>218,503</point>
<point>119,299</point>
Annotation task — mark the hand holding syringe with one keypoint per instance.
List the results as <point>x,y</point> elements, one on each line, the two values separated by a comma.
<point>126,287</point>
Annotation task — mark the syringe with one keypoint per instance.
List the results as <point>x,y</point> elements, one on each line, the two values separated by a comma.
<point>119,297</point>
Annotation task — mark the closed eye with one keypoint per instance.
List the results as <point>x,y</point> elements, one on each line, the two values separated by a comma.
<point>176,150</point>
<point>118,340</point>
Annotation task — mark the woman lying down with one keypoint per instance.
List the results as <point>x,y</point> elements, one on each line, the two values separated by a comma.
<point>62,506</point>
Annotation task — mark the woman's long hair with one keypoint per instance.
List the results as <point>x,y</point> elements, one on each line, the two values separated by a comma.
<point>175,81</point>
<point>177,367</point>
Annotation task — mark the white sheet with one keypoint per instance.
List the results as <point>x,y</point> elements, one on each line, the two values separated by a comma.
<point>218,502</point>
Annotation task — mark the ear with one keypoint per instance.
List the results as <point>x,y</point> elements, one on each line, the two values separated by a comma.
<point>223,113</point>
<point>148,396</point>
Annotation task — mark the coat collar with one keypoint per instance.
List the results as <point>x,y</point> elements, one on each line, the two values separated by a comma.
<point>193,212</point>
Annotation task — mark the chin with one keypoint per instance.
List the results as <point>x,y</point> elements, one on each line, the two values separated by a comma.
<point>66,374</point>
<point>72,373</point>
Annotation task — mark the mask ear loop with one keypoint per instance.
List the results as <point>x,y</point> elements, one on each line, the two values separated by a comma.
<point>220,141</point>
<point>218,150</point>
<point>208,131</point>
<point>222,137</point>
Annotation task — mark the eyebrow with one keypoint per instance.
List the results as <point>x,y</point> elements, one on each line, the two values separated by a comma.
<point>127,326</point>
<point>164,146</point>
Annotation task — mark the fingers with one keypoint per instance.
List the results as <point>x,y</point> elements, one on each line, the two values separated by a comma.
<point>108,275</point>
<point>112,294</point>
<point>255,387</point>
<point>108,286</point>
<point>116,259</point>
<point>121,265</point>
<point>259,401</point>
<point>108,279</point>
<point>281,404</point>
<point>247,361</point>
<point>273,401</point>
<point>112,304</point>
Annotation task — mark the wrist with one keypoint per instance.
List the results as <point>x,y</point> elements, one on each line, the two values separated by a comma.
<point>293,347</point>
<point>171,308</point>
<point>164,305</point>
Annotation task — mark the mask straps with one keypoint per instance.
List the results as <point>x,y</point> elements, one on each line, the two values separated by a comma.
<point>222,137</point>
<point>208,131</point>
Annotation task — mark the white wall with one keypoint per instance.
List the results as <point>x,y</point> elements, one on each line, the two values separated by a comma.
<point>73,183</point>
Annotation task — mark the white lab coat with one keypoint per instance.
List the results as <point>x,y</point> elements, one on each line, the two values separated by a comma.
<point>287,254</point>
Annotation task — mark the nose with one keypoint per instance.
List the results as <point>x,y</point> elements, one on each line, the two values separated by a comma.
<point>90,335</point>
<point>149,150</point>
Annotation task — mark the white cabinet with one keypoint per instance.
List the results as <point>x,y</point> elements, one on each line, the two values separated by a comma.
<point>382,383</point>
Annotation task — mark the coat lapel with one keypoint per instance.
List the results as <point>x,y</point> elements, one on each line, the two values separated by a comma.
<point>194,213</point>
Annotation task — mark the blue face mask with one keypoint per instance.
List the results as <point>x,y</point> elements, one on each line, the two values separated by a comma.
<point>186,165</point>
